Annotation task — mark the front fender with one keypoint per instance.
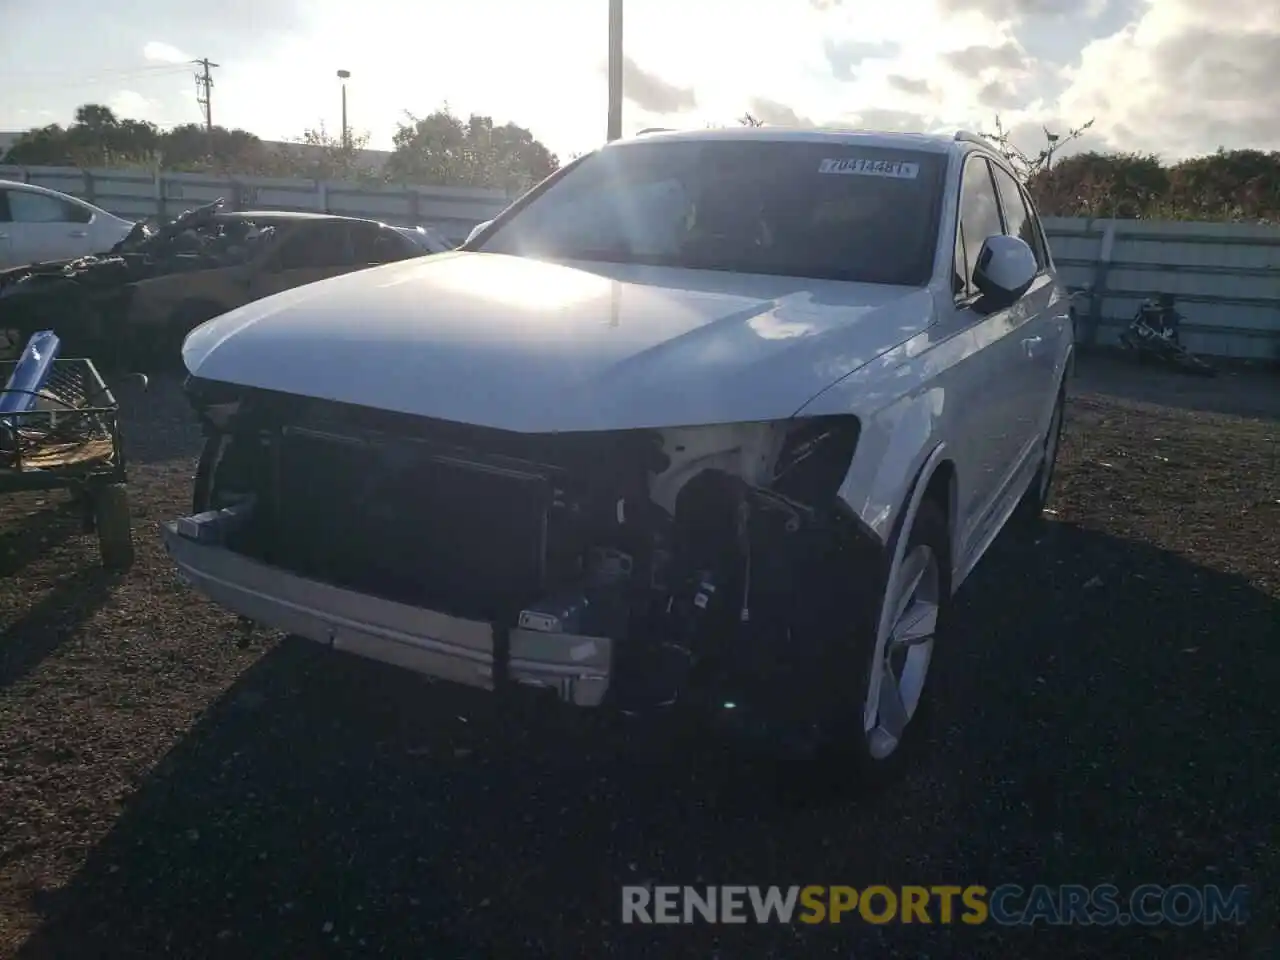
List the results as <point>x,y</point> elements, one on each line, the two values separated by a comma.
<point>895,446</point>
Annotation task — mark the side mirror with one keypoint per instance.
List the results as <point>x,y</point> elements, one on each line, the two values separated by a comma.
<point>1005,270</point>
<point>477,229</point>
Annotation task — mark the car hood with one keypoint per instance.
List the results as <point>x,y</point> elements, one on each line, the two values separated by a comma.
<point>526,345</point>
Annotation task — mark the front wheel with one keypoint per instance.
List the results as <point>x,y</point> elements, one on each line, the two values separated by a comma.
<point>885,718</point>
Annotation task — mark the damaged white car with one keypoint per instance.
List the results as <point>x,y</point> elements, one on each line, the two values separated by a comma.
<point>720,418</point>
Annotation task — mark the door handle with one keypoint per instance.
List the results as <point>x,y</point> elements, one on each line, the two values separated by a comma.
<point>79,233</point>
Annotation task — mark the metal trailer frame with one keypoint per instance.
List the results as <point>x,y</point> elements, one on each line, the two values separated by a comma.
<point>71,441</point>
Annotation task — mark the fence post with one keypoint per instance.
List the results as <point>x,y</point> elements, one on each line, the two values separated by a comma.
<point>323,189</point>
<point>158,180</point>
<point>90,193</point>
<point>1100,272</point>
<point>415,206</point>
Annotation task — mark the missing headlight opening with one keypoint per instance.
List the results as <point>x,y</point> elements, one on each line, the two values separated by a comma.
<point>701,554</point>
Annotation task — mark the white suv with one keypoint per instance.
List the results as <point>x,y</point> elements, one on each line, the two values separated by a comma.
<point>716,419</point>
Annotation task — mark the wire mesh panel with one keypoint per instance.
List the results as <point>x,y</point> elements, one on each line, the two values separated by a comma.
<point>72,425</point>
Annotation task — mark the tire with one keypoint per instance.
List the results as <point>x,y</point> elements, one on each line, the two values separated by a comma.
<point>1029,514</point>
<point>114,526</point>
<point>867,744</point>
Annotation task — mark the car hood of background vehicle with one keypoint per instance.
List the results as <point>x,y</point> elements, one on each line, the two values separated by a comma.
<point>526,345</point>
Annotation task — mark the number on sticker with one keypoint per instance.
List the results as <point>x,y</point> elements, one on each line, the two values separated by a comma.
<point>860,166</point>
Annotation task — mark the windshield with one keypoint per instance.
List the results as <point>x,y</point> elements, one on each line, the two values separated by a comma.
<point>425,238</point>
<point>793,208</point>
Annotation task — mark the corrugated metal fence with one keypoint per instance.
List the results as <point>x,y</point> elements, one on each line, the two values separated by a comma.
<point>1226,275</point>
<point>135,194</point>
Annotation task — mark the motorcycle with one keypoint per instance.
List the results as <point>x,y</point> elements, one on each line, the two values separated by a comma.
<point>1153,334</point>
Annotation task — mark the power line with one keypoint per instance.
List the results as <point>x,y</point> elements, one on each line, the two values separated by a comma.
<point>204,95</point>
<point>103,72</point>
<point>95,80</point>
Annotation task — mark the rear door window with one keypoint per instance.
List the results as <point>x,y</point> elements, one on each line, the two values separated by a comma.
<point>26,206</point>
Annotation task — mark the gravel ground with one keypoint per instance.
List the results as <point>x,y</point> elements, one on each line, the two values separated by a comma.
<point>1108,713</point>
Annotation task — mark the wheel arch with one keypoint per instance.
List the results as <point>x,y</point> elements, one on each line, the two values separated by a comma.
<point>934,481</point>
<point>942,487</point>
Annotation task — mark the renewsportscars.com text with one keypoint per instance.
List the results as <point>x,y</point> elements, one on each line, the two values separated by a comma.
<point>1006,905</point>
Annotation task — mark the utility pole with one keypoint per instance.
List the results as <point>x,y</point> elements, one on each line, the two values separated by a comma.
<point>615,70</point>
<point>204,96</point>
<point>344,76</point>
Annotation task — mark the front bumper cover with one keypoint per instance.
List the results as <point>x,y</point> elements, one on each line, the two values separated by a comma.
<point>577,668</point>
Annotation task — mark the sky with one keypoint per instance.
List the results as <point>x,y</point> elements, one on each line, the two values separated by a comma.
<point>1174,77</point>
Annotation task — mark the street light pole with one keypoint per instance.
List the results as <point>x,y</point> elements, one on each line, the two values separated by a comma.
<point>344,75</point>
<point>615,70</point>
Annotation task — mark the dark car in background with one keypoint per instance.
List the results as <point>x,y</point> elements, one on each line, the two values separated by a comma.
<point>140,300</point>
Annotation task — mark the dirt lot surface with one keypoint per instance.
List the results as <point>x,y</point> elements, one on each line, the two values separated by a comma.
<point>1108,712</point>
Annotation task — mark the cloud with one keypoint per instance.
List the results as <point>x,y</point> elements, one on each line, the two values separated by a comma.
<point>911,86</point>
<point>1187,77</point>
<point>1004,10</point>
<point>650,92</point>
<point>892,121</point>
<point>1001,95</point>
<point>160,52</point>
<point>779,114</point>
<point>843,55</point>
<point>246,20</point>
<point>977,59</point>
<point>131,105</point>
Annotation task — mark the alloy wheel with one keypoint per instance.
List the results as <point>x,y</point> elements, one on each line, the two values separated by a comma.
<point>903,651</point>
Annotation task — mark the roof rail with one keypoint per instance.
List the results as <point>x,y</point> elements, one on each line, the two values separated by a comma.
<point>970,137</point>
<point>655,130</point>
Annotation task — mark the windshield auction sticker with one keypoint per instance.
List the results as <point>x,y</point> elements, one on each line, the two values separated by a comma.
<point>861,167</point>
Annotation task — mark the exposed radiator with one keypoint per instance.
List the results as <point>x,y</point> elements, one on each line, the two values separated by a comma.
<point>403,519</point>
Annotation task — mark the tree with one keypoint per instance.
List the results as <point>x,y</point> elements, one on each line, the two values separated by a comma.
<point>40,147</point>
<point>97,138</point>
<point>441,148</point>
<point>192,148</point>
<point>319,155</point>
<point>1028,165</point>
<point>1118,185</point>
<point>1227,185</point>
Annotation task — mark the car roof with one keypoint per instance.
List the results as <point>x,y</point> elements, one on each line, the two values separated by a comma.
<point>284,215</point>
<point>940,143</point>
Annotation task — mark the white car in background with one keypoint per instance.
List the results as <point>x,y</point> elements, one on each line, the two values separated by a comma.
<point>719,419</point>
<point>37,224</point>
